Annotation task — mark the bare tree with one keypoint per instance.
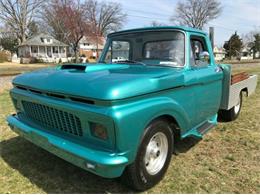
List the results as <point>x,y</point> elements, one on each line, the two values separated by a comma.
<point>104,17</point>
<point>70,20</point>
<point>249,36</point>
<point>251,42</point>
<point>67,21</point>
<point>196,13</point>
<point>52,23</point>
<point>18,15</point>
<point>33,29</point>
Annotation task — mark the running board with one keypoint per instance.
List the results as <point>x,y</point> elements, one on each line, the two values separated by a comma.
<point>201,129</point>
<point>205,127</point>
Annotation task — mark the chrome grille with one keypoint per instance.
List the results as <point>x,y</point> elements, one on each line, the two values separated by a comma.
<point>53,118</point>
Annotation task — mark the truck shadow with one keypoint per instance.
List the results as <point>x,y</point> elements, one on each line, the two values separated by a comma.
<point>53,174</point>
<point>186,144</point>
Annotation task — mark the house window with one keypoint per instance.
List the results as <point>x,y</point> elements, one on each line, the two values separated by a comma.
<point>34,49</point>
<point>55,49</point>
<point>47,40</point>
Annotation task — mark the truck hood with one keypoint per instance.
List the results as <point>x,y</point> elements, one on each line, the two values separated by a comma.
<point>103,81</point>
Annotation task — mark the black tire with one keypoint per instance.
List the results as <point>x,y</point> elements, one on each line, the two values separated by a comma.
<point>136,175</point>
<point>231,114</point>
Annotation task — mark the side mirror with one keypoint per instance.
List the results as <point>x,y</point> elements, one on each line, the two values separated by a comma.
<point>204,56</point>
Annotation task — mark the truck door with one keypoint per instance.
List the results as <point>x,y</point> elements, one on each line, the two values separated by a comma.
<point>208,82</point>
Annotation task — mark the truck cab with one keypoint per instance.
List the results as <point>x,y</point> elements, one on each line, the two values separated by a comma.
<point>123,116</point>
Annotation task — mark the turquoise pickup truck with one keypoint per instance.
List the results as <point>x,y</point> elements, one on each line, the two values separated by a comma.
<point>122,117</point>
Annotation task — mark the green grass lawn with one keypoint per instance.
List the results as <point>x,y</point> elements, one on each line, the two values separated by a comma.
<point>227,160</point>
<point>9,68</point>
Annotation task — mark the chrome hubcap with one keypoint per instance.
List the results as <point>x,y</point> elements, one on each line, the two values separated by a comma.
<point>156,153</point>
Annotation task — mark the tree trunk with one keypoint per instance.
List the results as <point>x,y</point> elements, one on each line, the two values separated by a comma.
<point>97,56</point>
<point>76,54</point>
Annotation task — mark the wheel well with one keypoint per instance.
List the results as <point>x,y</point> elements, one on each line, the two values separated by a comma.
<point>245,90</point>
<point>173,124</point>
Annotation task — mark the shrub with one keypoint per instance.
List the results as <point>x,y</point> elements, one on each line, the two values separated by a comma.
<point>32,60</point>
<point>3,56</point>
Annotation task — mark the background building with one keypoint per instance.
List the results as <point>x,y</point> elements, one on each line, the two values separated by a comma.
<point>89,48</point>
<point>43,47</point>
<point>219,53</point>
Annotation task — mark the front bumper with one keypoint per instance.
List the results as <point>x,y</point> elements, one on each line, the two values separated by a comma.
<point>105,164</point>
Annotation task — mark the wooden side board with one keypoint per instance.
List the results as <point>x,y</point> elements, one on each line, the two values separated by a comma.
<point>239,77</point>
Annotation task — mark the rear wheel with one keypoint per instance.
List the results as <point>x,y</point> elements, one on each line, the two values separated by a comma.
<point>231,114</point>
<point>153,157</point>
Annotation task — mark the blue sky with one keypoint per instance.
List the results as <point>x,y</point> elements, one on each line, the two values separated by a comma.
<point>242,16</point>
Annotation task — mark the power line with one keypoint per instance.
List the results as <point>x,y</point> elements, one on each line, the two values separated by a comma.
<point>163,18</point>
<point>145,17</point>
<point>148,12</point>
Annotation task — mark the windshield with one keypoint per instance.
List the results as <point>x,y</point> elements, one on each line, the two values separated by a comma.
<point>150,48</point>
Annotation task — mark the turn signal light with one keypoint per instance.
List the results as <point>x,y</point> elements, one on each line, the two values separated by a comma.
<point>99,131</point>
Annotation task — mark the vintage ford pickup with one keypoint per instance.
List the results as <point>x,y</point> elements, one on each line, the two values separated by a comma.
<point>151,88</point>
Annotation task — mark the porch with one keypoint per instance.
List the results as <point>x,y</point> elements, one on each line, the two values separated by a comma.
<point>48,51</point>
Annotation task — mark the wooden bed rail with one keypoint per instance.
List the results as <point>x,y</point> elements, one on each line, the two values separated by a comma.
<point>239,77</point>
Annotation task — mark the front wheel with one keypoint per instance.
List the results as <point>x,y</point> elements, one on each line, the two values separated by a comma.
<point>233,113</point>
<point>153,157</point>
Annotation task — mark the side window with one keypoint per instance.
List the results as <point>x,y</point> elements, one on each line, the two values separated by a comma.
<point>199,52</point>
<point>118,51</point>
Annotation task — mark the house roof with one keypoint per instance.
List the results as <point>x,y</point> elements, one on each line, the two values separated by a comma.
<point>90,40</point>
<point>38,40</point>
<point>219,50</point>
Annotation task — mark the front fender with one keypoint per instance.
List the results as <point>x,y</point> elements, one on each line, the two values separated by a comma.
<point>131,119</point>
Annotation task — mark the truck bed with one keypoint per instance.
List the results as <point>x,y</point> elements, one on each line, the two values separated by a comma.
<point>247,85</point>
<point>233,85</point>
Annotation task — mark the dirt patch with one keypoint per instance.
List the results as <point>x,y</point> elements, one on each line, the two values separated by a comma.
<point>10,68</point>
<point>14,64</point>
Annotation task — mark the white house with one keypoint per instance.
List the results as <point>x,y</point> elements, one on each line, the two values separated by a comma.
<point>219,53</point>
<point>89,48</point>
<point>247,52</point>
<point>43,47</point>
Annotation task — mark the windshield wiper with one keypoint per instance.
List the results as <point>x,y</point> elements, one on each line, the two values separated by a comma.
<point>129,62</point>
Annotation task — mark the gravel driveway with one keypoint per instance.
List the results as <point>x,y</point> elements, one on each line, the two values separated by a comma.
<point>6,83</point>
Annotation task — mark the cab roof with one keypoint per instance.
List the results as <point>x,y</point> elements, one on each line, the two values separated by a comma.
<point>158,28</point>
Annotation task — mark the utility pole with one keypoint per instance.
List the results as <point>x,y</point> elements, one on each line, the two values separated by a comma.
<point>230,49</point>
<point>211,36</point>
